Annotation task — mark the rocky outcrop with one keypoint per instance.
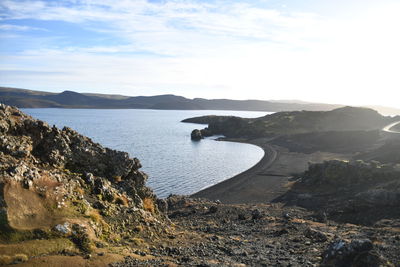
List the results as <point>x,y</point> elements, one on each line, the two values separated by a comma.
<point>63,184</point>
<point>358,252</point>
<point>196,135</point>
<point>357,191</point>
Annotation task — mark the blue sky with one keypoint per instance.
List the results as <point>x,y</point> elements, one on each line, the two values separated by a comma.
<point>333,51</point>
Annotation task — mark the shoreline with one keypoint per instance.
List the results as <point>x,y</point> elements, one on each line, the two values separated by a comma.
<point>267,180</point>
<point>225,190</point>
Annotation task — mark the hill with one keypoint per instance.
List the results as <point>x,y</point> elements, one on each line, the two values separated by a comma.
<point>342,130</point>
<point>295,122</point>
<point>23,98</point>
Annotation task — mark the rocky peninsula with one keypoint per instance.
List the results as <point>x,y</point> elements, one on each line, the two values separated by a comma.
<point>291,142</point>
<point>66,200</point>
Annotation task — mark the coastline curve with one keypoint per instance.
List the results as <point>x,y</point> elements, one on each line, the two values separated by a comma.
<point>224,190</point>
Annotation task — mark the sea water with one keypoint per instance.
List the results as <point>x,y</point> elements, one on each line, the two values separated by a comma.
<point>175,164</point>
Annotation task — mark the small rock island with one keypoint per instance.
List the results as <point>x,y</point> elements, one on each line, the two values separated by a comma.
<point>196,135</point>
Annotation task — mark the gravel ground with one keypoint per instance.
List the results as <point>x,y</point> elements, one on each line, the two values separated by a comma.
<point>215,234</point>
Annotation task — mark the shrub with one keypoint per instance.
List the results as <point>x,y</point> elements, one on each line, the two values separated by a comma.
<point>148,205</point>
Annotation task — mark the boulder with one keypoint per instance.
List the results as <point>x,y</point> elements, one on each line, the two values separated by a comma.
<point>196,135</point>
<point>315,235</point>
<point>358,252</point>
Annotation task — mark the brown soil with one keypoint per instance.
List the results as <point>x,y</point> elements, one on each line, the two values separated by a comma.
<point>26,209</point>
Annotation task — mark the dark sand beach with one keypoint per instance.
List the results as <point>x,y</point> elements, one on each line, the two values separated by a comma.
<point>268,179</point>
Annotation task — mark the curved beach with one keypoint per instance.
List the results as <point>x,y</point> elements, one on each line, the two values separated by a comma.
<point>251,186</point>
<point>268,179</point>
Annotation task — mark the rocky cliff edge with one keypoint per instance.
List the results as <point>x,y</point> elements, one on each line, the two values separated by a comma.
<point>59,186</point>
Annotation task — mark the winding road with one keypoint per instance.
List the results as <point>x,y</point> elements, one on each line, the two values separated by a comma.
<point>388,127</point>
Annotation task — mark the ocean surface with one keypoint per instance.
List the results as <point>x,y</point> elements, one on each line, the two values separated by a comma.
<point>174,163</point>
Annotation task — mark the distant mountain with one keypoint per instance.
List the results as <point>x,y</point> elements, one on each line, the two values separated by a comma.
<point>24,98</point>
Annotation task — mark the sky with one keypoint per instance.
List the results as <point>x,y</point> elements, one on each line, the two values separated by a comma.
<point>331,51</point>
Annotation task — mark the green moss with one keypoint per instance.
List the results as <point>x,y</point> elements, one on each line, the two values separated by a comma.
<point>81,239</point>
<point>80,207</point>
<point>37,247</point>
<point>10,236</point>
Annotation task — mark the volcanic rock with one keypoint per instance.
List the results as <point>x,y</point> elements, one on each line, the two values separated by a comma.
<point>62,184</point>
<point>196,135</point>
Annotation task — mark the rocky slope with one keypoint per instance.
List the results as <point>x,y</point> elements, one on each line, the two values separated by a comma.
<point>60,186</point>
<point>356,192</point>
<point>387,152</point>
<point>214,234</point>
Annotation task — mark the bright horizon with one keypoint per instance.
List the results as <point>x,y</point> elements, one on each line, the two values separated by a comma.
<point>339,52</point>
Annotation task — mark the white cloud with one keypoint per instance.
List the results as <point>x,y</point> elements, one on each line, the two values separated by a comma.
<point>203,49</point>
<point>11,27</point>
<point>137,20</point>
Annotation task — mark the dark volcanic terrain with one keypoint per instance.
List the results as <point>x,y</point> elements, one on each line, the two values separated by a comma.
<point>67,201</point>
<point>269,235</point>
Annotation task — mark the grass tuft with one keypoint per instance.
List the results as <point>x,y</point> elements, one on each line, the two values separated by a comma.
<point>148,205</point>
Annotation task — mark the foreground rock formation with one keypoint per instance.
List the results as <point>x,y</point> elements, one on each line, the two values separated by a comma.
<point>60,186</point>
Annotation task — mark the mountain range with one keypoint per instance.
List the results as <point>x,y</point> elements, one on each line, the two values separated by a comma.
<point>24,98</point>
